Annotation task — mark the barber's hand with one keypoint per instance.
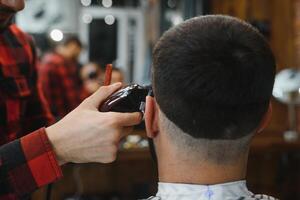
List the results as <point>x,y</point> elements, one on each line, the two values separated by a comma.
<point>87,135</point>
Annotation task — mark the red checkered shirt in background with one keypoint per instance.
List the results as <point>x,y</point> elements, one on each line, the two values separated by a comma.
<point>61,84</point>
<point>27,161</point>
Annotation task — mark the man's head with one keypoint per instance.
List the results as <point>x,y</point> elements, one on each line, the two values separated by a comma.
<point>8,8</point>
<point>212,80</point>
<point>70,48</point>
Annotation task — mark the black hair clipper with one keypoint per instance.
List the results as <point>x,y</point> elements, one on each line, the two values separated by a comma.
<point>132,98</point>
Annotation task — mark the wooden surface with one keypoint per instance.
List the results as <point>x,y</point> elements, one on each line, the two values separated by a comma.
<point>273,166</point>
<point>281,16</point>
<point>273,142</point>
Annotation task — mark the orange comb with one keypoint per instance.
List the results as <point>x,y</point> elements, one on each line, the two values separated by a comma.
<point>108,72</point>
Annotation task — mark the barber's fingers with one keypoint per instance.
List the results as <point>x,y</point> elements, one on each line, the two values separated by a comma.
<point>100,95</point>
<point>126,119</point>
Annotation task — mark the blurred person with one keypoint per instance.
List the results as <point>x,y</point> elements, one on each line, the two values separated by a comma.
<point>91,76</point>
<point>58,76</point>
<point>212,81</point>
<point>30,156</point>
<point>117,75</point>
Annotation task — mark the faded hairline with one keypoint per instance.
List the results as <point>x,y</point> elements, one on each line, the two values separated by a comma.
<point>202,149</point>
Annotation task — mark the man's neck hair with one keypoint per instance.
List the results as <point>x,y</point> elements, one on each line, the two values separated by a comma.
<point>220,152</point>
<point>184,159</point>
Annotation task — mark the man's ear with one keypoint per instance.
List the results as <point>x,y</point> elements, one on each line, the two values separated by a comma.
<point>151,117</point>
<point>266,119</point>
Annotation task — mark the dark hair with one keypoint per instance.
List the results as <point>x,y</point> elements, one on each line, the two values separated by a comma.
<point>213,77</point>
<point>72,39</point>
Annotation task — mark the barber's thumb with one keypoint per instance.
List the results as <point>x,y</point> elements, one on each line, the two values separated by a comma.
<point>101,95</point>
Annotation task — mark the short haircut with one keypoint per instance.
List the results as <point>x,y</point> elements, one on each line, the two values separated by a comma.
<point>213,77</point>
<point>72,39</point>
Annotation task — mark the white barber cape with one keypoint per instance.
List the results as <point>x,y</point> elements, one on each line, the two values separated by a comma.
<point>228,191</point>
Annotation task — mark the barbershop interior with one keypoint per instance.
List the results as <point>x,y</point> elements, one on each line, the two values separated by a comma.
<point>117,37</point>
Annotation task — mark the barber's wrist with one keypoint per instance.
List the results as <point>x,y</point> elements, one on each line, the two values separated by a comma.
<point>51,133</point>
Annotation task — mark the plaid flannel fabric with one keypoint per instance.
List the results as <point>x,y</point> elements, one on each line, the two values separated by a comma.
<point>29,162</point>
<point>61,84</point>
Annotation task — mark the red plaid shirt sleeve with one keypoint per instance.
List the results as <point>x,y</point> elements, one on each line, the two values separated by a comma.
<point>27,164</point>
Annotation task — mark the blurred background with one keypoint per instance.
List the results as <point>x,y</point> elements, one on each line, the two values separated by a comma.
<point>123,32</point>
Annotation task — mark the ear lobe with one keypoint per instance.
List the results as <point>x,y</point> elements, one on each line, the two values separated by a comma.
<point>151,117</point>
<point>266,119</point>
